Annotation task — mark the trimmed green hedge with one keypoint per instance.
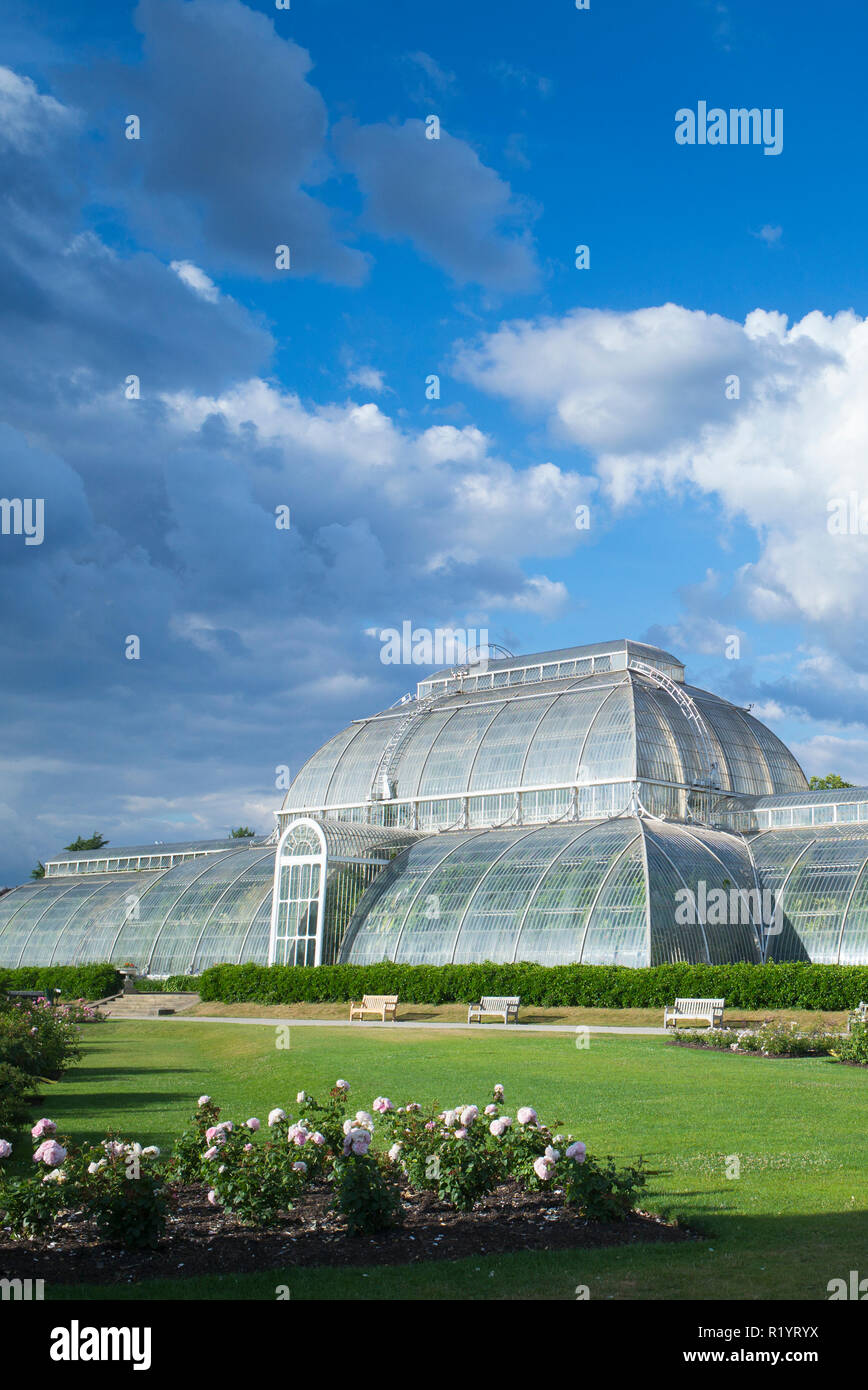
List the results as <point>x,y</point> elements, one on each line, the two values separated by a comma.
<point>74,981</point>
<point>791,985</point>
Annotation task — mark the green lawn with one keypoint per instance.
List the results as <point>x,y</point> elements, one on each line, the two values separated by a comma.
<point>793,1220</point>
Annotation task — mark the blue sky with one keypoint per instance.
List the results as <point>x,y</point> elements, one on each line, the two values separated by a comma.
<point>559,386</point>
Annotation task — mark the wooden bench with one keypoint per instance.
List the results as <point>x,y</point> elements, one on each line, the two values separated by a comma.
<point>495,1006</point>
<point>381,1004</point>
<point>711,1010</point>
<point>33,994</point>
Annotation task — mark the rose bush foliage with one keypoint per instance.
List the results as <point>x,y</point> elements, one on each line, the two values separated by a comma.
<point>255,1171</point>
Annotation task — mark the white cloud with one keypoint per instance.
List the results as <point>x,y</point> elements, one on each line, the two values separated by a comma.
<point>645,392</point>
<point>196,280</point>
<point>443,497</point>
<point>28,118</point>
<point>369,378</point>
<point>827,753</point>
<point>770,235</point>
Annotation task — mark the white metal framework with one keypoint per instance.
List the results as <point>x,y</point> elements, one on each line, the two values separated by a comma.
<point>690,710</point>
<point>321,869</point>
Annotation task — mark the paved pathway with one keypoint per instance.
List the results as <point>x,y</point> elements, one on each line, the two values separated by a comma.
<point>512,1028</point>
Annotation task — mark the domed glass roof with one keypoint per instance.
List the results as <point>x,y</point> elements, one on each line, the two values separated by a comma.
<point>607,728</point>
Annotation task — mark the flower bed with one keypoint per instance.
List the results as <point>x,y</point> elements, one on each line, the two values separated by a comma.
<point>852,1047</point>
<point>37,1040</point>
<point>200,1240</point>
<point>772,1038</point>
<point>461,1169</point>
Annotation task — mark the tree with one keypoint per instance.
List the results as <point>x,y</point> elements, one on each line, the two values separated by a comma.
<point>242,832</point>
<point>39,871</point>
<point>828,784</point>
<point>95,841</point>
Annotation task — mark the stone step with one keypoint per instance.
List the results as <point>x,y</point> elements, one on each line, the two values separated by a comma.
<point>148,1005</point>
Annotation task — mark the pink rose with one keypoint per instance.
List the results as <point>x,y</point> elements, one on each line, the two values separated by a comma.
<point>5,1148</point>
<point>252,1123</point>
<point>459,1133</point>
<point>210,1153</point>
<point>526,1115</point>
<point>212,1197</point>
<point>43,1127</point>
<point>359,1141</point>
<point>383,1104</point>
<point>248,1148</point>
<point>469,1114</point>
<point>498,1128</point>
<point>203,1100</point>
<point>342,1085</point>
<point>577,1151</point>
<point>542,1167</point>
<point>50,1152</point>
<point>275,1116</point>
<point>317,1138</point>
<point>491,1109</point>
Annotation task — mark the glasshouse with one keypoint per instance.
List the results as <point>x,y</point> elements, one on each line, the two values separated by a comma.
<point>582,805</point>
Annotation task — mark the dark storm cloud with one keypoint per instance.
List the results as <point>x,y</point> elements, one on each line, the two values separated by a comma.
<point>159,514</point>
<point>232,137</point>
<point>438,194</point>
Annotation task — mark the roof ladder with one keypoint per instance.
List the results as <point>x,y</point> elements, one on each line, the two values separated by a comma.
<point>691,712</point>
<point>383,784</point>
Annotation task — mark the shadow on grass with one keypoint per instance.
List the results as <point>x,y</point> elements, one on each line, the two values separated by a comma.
<point>747,1258</point>
<point>108,1073</point>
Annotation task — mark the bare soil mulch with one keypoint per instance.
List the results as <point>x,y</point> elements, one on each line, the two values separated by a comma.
<point>763,1056</point>
<point>200,1240</point>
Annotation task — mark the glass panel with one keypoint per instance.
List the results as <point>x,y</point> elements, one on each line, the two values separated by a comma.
<point>554,927</point>
<point>617,933</point>
<point>352,778</point>
<point>210,923</point>
<point>308,790</point>
<point>495,910</point>
<point>504,745</point>
<point>448,766</point>
<point>553,754</point>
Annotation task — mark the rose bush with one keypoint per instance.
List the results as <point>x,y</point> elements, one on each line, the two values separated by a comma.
<point>255,1172</point>
<point>853,1046</point>
<point>772,1038</point>
<point>118,1185</point>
